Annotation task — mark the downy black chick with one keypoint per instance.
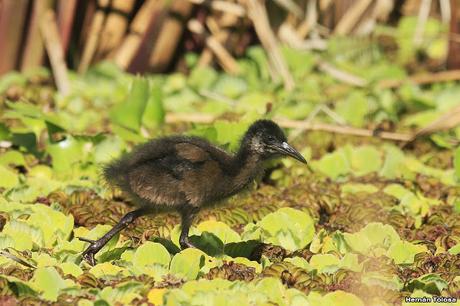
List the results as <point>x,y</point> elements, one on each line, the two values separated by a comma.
<point>185,174</point>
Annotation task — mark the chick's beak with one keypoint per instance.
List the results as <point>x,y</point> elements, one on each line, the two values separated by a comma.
<point>285,149</point>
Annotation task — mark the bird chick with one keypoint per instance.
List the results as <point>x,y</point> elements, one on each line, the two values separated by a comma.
<point>185,174</point>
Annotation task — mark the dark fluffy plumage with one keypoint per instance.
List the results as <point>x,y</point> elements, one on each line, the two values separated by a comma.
<point>186,173</point>
<point>178,170</point>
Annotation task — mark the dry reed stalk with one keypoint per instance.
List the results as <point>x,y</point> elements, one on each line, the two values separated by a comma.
<point>380,11</point>
<point>351,17</point>
<point>50,34</point>
<point>12,20</point>
<point>93,37</point>
<point>310,20</point>
<point>131,43</point>
<point>445,8</point>
<point>423,13</point>
<point>258,15</point>
<point>296,124</point>
<point>324,5</point>
<point>445,122</point>
<point>220,34</point>
<point>169,37</point>
<point>225,59</point>
<point>426,78</point>
<point>291,6</point>
<point>289,35</point>
<point>34,49</point>
<point>223,6</point>
<point>341,75</point>
<point>342,129</point>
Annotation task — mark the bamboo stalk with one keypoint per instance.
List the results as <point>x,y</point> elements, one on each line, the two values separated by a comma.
<point>50,34</point>
<point>34,49</point>
<point>351,17</point>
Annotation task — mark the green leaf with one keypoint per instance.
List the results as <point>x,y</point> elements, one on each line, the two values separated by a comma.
<point>287,227</point>
<point>393,166</point>
<point>19,287</point>
<point>107,269</point>
<point>354,108</point>
<point>457,163</point>
<point>24,235</point>
<point>341,298</point>
<point>208,243</point>
<point>202,78</point>
<point>66,153</point>
<point>403,252</point>
<point>109,148</point>
<point>188,263</point>
<point>12,158</point>
<point>242,248</point>
<point>328,263</point>
<point>455,250</point>
<point>230,132</point>
<point>43,216</point>
<point>151,253</point>
<point>129,113</point>
<point>325,263</point>
<point>230,86</point>
<point>356,188</point>
<point>391,282</point>
<point>300,62</point>
<point>334,165</point>
<point>430,283</point>
<point>364,160</point>
<point>48,281</point>
<point>374,239</point>
<point>155,113</point>
<point>220,229</point>
<point>9,178</point>
<point>123,293</point>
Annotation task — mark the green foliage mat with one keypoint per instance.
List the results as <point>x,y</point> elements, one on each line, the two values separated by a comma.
<point>373,224</point>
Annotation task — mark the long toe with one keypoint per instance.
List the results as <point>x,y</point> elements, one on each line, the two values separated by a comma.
<point>89,258</point>
<point>187,244</point>
<point>90,251</point>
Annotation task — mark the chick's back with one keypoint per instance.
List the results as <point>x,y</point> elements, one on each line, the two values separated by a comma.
<point>170,172</point>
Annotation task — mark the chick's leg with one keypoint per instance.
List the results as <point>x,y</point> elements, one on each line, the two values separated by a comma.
<point>187,214</point>
<point>96,245</point>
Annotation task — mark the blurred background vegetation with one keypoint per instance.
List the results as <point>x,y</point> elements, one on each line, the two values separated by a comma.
<point>367,90</point>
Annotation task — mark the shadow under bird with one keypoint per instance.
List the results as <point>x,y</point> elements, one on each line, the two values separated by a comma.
<point>185,174</point>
